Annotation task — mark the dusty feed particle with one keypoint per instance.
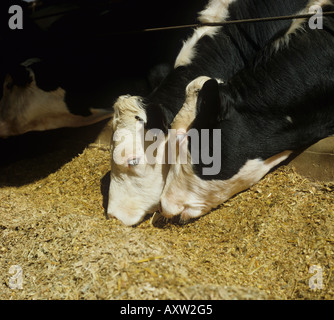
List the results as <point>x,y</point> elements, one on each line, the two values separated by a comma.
<point>259,244</point>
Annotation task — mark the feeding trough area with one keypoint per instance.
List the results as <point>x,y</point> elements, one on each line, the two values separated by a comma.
<point>260,244</point>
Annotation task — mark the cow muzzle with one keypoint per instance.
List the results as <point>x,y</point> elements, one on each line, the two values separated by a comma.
<point>186,212</point>
<point>169,209</point>
<point>128,218</point>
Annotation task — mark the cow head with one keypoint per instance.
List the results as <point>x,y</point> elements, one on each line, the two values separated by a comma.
<point>187,193</point>
<point>32,100</point>
<point>140,158</point>
<point>138,171</point>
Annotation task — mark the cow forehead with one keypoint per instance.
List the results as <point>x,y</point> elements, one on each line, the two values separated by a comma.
<point>126,109</point>
<point>127,130</point>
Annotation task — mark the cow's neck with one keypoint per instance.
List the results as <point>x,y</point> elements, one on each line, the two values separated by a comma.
<point>265,133</point>
<point>171,92</point>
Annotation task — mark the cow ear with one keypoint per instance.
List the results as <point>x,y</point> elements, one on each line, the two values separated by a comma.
<point>213,104</point>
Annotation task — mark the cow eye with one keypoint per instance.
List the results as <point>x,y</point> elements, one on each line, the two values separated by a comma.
<point>139,119</point>
<point>133,162</point>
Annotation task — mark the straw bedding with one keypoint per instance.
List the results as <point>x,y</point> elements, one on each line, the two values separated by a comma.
<point>258,245</point>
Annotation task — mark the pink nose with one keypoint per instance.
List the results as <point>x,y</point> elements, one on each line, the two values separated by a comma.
<point>170,209</point>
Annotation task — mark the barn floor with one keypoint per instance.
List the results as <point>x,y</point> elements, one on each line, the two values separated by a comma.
<point>258,245</point>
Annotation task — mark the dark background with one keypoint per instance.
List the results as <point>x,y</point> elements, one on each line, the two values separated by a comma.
<point>86,46</point>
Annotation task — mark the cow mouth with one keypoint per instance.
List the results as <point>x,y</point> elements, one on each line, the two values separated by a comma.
<point>185,212</point>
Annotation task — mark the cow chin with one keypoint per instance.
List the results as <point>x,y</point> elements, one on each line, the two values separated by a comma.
<point>131,204</point>
<point>128,218</point>
<point>191,213</point>
<point>169,209</point>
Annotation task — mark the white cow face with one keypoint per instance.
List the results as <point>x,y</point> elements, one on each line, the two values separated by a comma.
<point>138,171</point>
<point>25,107</point>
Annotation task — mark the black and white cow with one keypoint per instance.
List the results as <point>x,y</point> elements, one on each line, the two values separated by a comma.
<point>216,52</point>
<point>251,123</point>
<point>30,103</point>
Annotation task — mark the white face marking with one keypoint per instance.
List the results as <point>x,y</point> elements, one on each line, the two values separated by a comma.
<point>24,109</point>
<point>134,194</point>
<point>136,182</point>
<point>215,11</point>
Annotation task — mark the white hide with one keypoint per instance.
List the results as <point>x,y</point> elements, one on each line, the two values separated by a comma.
<point>298,24</point>
<point>215,11</point>
<point>24,109</point>
<point>135,186</point>
<point>187,195</point>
